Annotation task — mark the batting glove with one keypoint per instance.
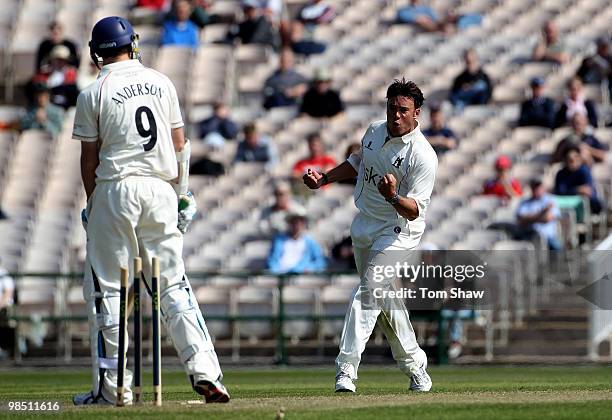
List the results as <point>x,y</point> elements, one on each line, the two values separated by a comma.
<point>187,211</point>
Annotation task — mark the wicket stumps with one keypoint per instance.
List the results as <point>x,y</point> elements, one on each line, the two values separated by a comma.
<point>123,321</point>
<point>137,331</point>
<point>156,335</point>
<point>122,333</point>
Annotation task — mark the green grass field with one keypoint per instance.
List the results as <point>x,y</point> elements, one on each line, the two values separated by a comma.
<point>583,392</point>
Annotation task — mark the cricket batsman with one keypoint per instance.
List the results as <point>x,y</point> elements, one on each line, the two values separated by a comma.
<point>134,167</point>
<point>396,170</point>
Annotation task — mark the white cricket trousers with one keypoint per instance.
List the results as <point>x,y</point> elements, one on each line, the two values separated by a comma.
<point>137,216</point>
<point>386,242</point>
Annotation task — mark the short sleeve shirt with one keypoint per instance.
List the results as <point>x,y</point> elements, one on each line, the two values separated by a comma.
<point>130,110</point>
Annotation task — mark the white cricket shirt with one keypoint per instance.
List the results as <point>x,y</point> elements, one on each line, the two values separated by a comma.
<point>131,110</point>
<point>412,161</point>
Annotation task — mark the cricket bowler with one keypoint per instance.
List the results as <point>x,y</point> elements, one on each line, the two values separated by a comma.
<point>134,167</point>
<point>395,169</point>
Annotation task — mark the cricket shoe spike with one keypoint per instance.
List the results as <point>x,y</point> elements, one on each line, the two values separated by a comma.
<point>420,380</point>
<point>344,383</point>
<point>213,392</point>
<point>87,398</point>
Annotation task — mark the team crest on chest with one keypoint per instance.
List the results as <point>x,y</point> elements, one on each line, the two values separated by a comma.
<point>398,161</point>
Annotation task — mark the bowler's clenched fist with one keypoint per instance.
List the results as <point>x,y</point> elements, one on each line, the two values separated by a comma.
<point>387,186</point>
<point>312,179</point>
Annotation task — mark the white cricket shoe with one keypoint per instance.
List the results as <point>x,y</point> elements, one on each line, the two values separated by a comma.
<point>87,398</point>
<point>420,380</point>
<point>344,383</point>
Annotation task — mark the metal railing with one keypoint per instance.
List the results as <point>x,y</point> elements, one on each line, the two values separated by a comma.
<point>61,317</point>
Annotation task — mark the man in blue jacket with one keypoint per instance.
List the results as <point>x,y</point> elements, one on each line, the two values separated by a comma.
<point>295,251</point>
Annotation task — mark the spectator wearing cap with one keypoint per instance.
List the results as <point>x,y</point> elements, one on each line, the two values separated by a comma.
<point>438,134</point>
<point>317,158</point>
<point>55,38</point>
<point>550,48</point>
<point>503,185</point>
<point>295,251</point>
<point>575,178</point>
<point>178,29</point>
<point>321,100</point>
<point>539,215</point>
<point>256,147</point>
<point>42,114</point>
<point>591,149</point>
<point>576,103</point>
<point>597,68</point>
<point>219,122</point>
<point>273,219</point>
<point>472,86</point>
<point>255,28</point>
<point>60,77</point>
<point>285,86</point>
<point>539,110</point>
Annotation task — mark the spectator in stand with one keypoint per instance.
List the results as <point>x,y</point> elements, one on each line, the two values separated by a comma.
<point>597,68</point>
<point>255,28</point>
<point>321,100</point>
<point>591,149</point>
<point>159,5</point>
<point>576,102</point>
<point>421,16</point>
<point>472,86</point>
<point>56,37</point>
<point>302,40</point>
<point>503,185</point>
<point>550,48</point>
<point>285,85</point>
<point>60,77</point>
<point>42,114</point>
<point>425,18</point>
<point>220,122</point>
<point>317,158</point>
<point>256,147</point>
<point>311,15</point>
<point>352,148</point>
<point>149,12</point>
<point>441,138</point>
<point>295,251</point>
<point>178,29</point>
<point>344,255</point>
<point>200,15</point>
<point>575,178</point>
<point>539,110</point>
<point>538,215</point>
<point>272,9</point>
<point>273,219</point>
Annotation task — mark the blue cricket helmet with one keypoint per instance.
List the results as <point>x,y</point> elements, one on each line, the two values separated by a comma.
<point>111,33</point>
